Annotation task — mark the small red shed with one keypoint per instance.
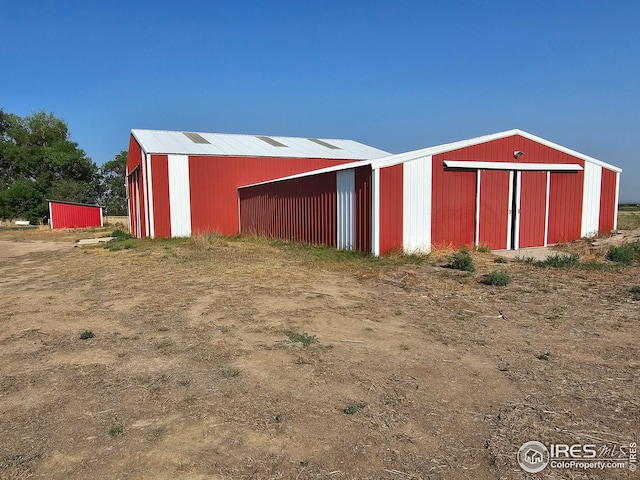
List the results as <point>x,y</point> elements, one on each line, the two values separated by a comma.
<point>74,215</point>
<point>509,190</point>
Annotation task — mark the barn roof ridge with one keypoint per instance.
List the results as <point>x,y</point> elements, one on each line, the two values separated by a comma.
<point>395,159</point>
<point>236,134</point>
<point>232,144</point>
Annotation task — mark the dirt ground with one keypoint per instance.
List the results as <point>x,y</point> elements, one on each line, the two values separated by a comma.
<point>191,372</point>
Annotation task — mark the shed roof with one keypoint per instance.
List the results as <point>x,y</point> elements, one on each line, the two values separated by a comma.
<point>201,143</point>
<point>391,160</point>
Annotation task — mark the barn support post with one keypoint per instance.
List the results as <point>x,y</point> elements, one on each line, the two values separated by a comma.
<point>375,212</point>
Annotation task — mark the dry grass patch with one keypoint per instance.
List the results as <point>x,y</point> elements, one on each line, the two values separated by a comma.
<point>192,361</point>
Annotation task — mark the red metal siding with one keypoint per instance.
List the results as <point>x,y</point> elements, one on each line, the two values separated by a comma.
<point>66,215</point>
<point>301,209</point>
<point>453,198</point>
<point>533,205</point>
<point>494,208</point>
<point>453,203</point>
<point>607,201</point>
<point>362,207</point>
<point>214,182</point>
<point>565,207</point>
<point>391,208</point>
<point>132,185</point>
<point>161,205</point>
<point>134,159</point>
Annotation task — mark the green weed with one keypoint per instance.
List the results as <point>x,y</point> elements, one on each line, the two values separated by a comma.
<point>86,335</point>
<point>624,254</point>
<point>302,338</point>
<point>635,292</point>
<point>560,260</point>
<point>557,260</point>
<point>120,236</point>
<point>461,261</point>
<point>499,279</point>
<point>354,408</point>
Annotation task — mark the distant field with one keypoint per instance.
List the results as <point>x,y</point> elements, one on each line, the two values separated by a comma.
<point>112,220</point>
<point>628,217</point>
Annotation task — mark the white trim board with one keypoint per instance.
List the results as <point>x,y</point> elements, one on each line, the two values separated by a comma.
<point>540,167</point>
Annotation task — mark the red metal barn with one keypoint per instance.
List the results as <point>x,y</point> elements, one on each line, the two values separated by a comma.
<point>74,215</point>
<point>509,190</point>
<point>184,183</point>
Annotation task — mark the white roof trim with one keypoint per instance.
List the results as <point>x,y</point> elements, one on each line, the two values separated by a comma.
<point>391,160</point>
<point>447,147</point>
<point>546,167</point>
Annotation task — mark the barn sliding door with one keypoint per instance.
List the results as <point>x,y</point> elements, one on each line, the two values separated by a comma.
<point>493,208</point>
<point>511,209</point>
<point>532,209</point>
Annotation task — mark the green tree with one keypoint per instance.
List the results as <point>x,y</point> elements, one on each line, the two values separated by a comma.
<point>113,177</point>
<point>38,160</point>
<point>22,199</point>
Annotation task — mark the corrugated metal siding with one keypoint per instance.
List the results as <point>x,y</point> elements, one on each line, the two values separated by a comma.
<point>454,192</point>
<point>134,203</point>
<point>591,199</point>
<point>533,208</point>
<point>608,203</point>
<point>134,156</point>
<point>345,186</point>
<point>565,207</point>
<point>416,205</point>
<point>362,207</point>
<point>137,210</point>
<point>453,211</point>
<point>299,209</point>
<point>494,209</point>
<point>65,215</point>
<point>142,197</point>
<point>391,193</point>
<point>179,196</point>
<point>214,182</point>
<point>161,206</point>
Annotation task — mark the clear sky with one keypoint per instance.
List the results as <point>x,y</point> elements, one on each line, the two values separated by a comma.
<point>398,75</point>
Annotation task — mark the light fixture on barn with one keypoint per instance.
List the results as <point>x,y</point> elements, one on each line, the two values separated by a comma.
<point>517,154</point>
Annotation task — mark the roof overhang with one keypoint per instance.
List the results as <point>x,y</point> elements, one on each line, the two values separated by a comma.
<point>536,167</point>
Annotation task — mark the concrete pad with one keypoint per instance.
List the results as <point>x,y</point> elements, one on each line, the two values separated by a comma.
<point>92,241</point>
<point>539,253</point>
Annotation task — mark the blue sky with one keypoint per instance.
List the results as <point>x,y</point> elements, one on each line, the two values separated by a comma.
<point>398,75</point>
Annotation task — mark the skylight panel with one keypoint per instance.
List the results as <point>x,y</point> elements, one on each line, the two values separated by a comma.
<point>195,137</point>
<point>323,143</point>
<point>272,142</point>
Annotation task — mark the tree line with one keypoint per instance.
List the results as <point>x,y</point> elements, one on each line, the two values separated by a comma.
<point>40,162</point>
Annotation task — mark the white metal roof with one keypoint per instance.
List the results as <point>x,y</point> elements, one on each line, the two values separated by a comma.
<point>447,147</point>
<point>178,142</point>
